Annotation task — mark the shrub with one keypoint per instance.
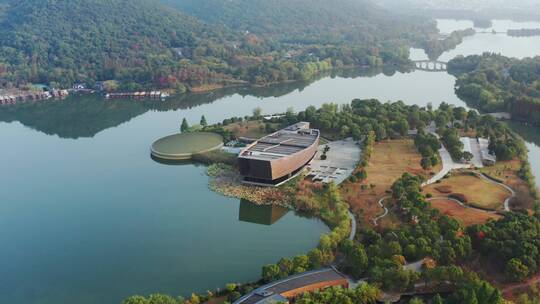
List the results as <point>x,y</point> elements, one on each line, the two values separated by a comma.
<point>444,189</point>
<point>459,196</point>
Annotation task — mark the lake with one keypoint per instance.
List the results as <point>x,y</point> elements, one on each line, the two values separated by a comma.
<point>87,216</point>
<point>95,220</point>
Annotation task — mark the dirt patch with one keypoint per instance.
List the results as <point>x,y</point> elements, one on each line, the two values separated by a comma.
<point>389,160</point>
<point>472,190</point>
<point>467,216</point>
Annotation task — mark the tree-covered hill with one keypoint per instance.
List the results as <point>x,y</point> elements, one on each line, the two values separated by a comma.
<point>495,83</point>
<point>78,40</point>
<point>196,45</point>
<point>307,21</point>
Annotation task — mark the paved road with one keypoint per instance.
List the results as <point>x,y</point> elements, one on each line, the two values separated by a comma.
<point>448,164</point>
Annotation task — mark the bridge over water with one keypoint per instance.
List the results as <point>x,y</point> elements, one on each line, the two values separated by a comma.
<point>430,65</point>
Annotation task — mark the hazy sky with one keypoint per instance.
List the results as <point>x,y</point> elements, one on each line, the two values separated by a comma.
<point>469,4</point>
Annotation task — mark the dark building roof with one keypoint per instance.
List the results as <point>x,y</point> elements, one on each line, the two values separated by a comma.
<point>285,142</point>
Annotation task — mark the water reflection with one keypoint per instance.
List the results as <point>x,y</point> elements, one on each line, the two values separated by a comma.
<point>260,214</point>
<point>85,116</point>
<point>172,162</point>
<point>531,134</point>
<point>247,211</point>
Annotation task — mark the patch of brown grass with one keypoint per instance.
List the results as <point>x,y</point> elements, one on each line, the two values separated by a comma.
<point>389,160</point>
<point>252,129</point>
<point>478,192</point>
<point>467,216</point>
<point>507,172</point>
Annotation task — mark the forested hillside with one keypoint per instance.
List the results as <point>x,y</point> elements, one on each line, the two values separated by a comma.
<point>496,83</point>
<point>307,21</point>
<point>82,40</point>
<point>196,45</point>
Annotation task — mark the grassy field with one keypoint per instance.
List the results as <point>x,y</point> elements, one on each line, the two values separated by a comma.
<point>506,171</point>
<point>390,159</point>
<point>467,216</point>
<point>478,192</point>
<point>251,129</point>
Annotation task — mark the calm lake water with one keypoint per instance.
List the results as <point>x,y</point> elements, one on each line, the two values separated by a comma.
<point>86,216</point>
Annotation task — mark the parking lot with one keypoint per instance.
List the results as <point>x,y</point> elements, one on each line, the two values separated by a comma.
<point>342,159</point>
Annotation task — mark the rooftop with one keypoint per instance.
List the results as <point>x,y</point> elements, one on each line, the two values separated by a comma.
<point>183,145</point>
<point>282,143</point>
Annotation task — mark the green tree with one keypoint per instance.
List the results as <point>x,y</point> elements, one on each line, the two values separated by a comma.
<point>270,272</point>
<point>301,261</point>
<point>257,112</point>
<point>230,287</point>
<point>203,121</point>
<point>184,126</point>
<point>358,260</point>
<point>437,299</point>
<point>161,299</point>
<point>194,299</point>
<point>516,270</point>
<point>286,267</point>
<point>468,156</point>
<point>136,300</point>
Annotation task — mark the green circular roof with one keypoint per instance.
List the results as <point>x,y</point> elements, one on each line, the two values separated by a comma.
<point>184,145</point>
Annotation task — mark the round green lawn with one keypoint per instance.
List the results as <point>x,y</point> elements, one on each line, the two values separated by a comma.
<point>185,145</point>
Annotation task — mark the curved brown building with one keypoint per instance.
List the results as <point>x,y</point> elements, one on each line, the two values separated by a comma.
<point>275,158</point>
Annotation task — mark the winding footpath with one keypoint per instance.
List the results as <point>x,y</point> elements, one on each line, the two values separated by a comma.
<point>459,203</point>
<point>385,213</point>
<point>509,189</point>
<point>448,164</point>
<point>352,234</point>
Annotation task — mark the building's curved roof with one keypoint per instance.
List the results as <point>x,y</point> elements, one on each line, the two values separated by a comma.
<point>282,143</point>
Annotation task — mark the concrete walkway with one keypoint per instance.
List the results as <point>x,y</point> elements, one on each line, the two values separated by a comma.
<point>385,213</point>
<point>352,234</point>
<point>507,188</point>
<point>448,164</point>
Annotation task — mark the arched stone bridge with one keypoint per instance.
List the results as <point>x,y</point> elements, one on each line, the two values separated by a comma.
<point>430,65</point>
